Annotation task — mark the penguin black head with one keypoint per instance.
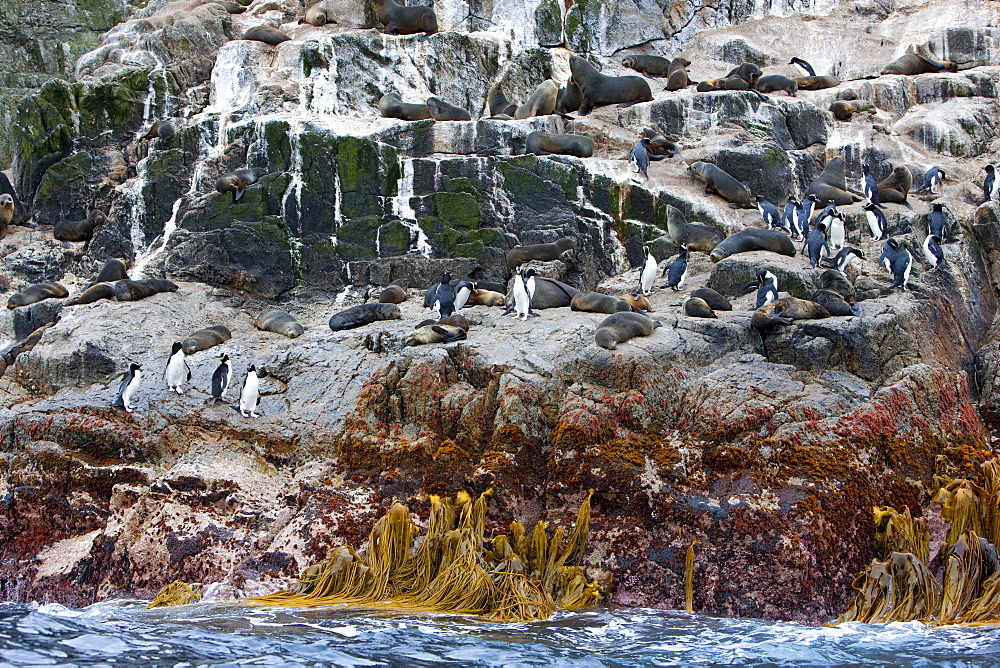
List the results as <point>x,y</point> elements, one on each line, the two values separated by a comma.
<point>223,357</point>
<point>870,206</point>
<point>530,273</point>
<point>251,367</point>
<point>857,251</point>
<point>821,226</point>
<point>134,366</point>
<point>990,168</point>
<point>812,197</point>
<point>937,206</point>
<point>644,141</point>
<point>645,251</point>
<point>174,348</point>
<point>793,201</point>
<point>758,198</point>
<point>941,173</point>
<point>761,275</point>
<point>445,278</point>
<point>893,244</point>
<point>519,271</point>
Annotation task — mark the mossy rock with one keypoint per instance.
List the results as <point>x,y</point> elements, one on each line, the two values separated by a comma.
<point>606,194</point>
<point>43,135</point>
<point>356,238</point>
<point>638,204</point>
<point>219,210</point>
<point>393,239</point>
<point>113,105</point>
<point>367,171</point>
<point>462,184</point>
<point>62,191</point>
<point>457,210</point>
<point>475,250</point>
<point>489,236</point>
<point>548,23</point>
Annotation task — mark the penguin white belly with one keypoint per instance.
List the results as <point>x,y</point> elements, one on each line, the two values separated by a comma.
<point>130,390</point>
<point>522,303</point>
<point>250,395</point>
<point>176,372</point>
<point>648,276</point>
<point>874,225</point>
<point>837,233</point>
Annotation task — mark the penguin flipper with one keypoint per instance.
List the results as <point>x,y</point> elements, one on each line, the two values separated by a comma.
<point>752,285</point>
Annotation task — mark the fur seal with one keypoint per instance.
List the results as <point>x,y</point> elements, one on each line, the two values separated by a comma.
<point>541,103</point>
<point>456,320</point>
<point>206,338</point>
<point>596,302</point>
<point>836,281</point>
<point>895,187</point>
<point>405,20</point>
<point>654,66</point>
<point>546,143</point>
<point>6,213</point>
<point>230,6</point>
<point>163,130</point>
<point>749,72</point>
<point>236,182</point>
<point>621,327</point>
<point>480,297</point>
<point>720,182</point>
<point>696,307</point>
<point>784,311</point>
<point>817,83</point>
<point>96,292</point>
<point>434,334</point>
<point>127,290</point>
<point>498,103</point>
<point>831,185</point>
<point>21,215</point>
<point>751,240</point>
<point>659,144</point>
<point>279,322</point>
<point>677,74</point>
<point>713,299</point>
<point>638,302</point>
<point>843,110</point>
<point>442,111</point>
<point>518,255</point>
<point>79,230</point>
<point>392,106</point>
<point>266,34</point>
<point>392,295</point>
<point>775,82</point>
<point>315,16</point>
<point>914,63</point>
<point>693,235</point>
<point>570,98</point>
<point>550,293</point>
<point>113,270</point>
<point>356,316</point>
<point>599,90</point>
<point>833,302</point>
<point>36,293</point>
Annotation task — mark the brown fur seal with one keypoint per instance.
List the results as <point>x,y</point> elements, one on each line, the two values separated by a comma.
<point>710,86</point>
<point>546,143</point>
<point>894,188</point>
<point>113,270</point>
<point>550,293</point>
<point>456,320</point>
<point>753,239</point>
<point>570,98</point>
<point>393,295</point>
<point>834,303</point>
<point>836,281</point>
<point>163,130</point>
<point>658,144</point>
<point>79,230</point>
<point>442,111</point>
<point>596,302</point>
<point>831,186</point>
<point>717,301</point>
<point>356,316</point>
<point>434,334</point>
<point>693,235</point>
<point>696,307</point>
<point>128,290</point>
<point>748,72</point>
<point>404,20</point>
<point>775,82</point>
<point>236,182</point>
<point>36,293</point>
<point>392,106</point>
<point>599,90</point>
<point>21,216</point>
<point>230,6</point>
<point>206,338</point>
<point>638,302</point>
<point>914,63</point>
<point>677,74</point>
<point>817,83</point>
<point>279,322</point>
<point>498,103</point>
<point>621,327</point>
<point>541,103</point>
<point>720,182</point>
<point>266,34</point>
<point>485,298</point>
<point>784,311</point>
<point>654,66</point>
<point>315,16</point>
<point>6,213</point>
<point>843,110</point>
<point>518,255</point>
<point>96,292</point>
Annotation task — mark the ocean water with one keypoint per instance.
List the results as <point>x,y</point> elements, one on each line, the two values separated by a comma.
<point>123,633</point>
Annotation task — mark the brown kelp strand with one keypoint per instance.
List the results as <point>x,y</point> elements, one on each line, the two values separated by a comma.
<point>452,568</point>
<point>177,593</point>
<point>899,585</point>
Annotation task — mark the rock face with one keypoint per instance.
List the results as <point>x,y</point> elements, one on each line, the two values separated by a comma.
<point>769,448</point>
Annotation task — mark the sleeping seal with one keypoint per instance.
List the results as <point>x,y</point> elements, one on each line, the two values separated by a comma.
<point>36,293</point>
<point>622,327</point>
<point>392,106</point>
<point>518,255</point>
<point>279,322</point>
<point>754,239</point>
<point>356,316</point>
<point>784,311</point>
<point>206,338</point>
<point>547,143</point>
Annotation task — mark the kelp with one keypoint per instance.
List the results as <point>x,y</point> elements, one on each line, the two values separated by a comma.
<point>689,577</point>
<point>963,567</point>
<point>900,532</point>
<point>177,592</point>
<point>901,588</point>
<point>451,569</point>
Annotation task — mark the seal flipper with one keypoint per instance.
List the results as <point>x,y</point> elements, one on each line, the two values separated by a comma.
<point>238,193</point>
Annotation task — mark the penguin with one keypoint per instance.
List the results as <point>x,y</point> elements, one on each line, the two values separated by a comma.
<point>221,378</point>
<point>767,288</point>
<point>933,252</point>
<point>837,233</point>
<point>937,224</point>
<point>250,393</point>
<point>430,294</point>
<point>876,221</point>
<point>677,271</point>
<point>769,212</point>
<point>843,258</point>
<point>829,210</point>
<point>805,213</point>
<point>870,187</point>
<point>640,156</point>
<point>816,244</point>
<point>804,65</point>
<point>991,185</point>
<point>177,371</point>
<point>888,252</point>
<point>788,217</point>
<point>462,289</point>
<point>648,272</point>
<point>127,390</point>
<point>897,260</point>
<point>443,300</point>
<point>523,292</point>
<point>933,177</point>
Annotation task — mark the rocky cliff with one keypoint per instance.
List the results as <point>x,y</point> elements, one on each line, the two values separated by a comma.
<point>769,449</point>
